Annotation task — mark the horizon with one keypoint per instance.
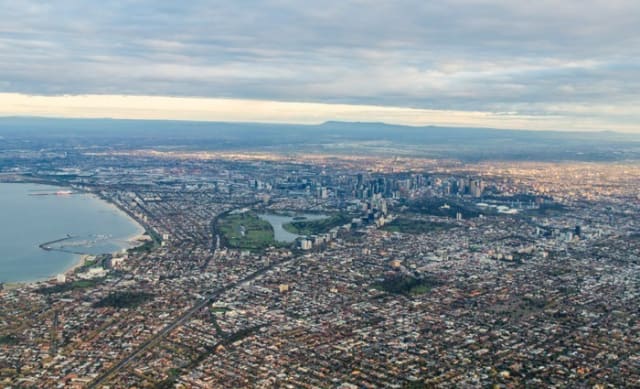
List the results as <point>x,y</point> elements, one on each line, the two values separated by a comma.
<point>221,110</point>
<point>495,63</point>
<point>315,124</point>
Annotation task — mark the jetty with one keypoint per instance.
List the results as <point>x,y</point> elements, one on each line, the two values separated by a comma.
<point>47,245</point>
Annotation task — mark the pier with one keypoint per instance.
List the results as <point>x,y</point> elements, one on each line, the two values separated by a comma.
<point>47,245</point>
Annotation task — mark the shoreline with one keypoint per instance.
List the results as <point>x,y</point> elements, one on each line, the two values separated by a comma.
<point>132,241</point>
<point>82,258</point>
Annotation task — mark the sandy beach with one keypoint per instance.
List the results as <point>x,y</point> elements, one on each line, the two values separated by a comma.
<point>76,265</point>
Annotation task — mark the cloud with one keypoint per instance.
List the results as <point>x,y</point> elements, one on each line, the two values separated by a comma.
<point>453,55</point>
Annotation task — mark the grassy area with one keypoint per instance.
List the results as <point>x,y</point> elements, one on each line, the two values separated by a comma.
<point>8,340</point>
<point>219,332</point>
<point>144,248</point>
<point>406,285</point>
<point>89,263</point>
<point>547,209</point>
<point>149,245</point>
<point>66,287</point>
<point>243,333</point>
<point>313,227</point>
<point>415,226</point>
<point>169,382</point>
<point>123,300</point>
<point>246,231</point>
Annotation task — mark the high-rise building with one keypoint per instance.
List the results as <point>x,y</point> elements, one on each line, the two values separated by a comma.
<point>476,187</point>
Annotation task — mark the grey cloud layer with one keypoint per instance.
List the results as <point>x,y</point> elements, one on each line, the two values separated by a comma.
<point>547,57</point>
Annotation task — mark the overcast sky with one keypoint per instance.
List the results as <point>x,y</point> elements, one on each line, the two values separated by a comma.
<point>542,64</point>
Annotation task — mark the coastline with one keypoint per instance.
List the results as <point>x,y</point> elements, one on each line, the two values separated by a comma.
<point>81,259</point>
<point>132,241</point>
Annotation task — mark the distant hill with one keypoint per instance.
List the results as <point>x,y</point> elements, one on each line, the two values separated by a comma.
<point>330,137</point>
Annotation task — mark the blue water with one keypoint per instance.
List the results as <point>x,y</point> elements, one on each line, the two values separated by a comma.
<point>27,221</point>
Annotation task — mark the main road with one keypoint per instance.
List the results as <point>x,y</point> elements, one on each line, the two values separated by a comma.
<point>154,339</point>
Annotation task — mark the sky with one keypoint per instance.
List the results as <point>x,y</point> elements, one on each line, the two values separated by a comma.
<point>562,65</point>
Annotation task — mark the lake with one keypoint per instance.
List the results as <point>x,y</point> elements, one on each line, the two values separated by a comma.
<point>278,221</point>
<point>32,215</point>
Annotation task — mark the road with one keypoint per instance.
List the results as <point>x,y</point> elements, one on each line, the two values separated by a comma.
<point>154,339</point>
<point>159,335</point>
